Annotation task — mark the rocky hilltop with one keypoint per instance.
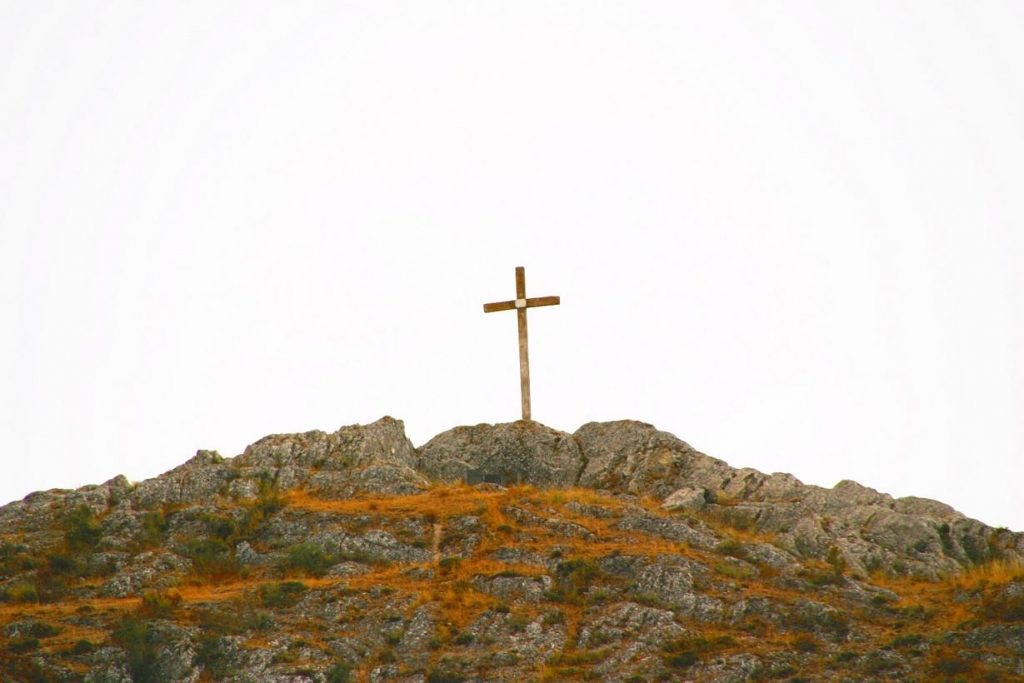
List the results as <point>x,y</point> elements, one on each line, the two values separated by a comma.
<point>616,553</point>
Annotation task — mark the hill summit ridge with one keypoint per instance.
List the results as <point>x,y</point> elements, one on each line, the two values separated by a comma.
<point>640,543</point>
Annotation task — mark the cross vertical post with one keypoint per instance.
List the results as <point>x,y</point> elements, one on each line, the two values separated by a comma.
<point>520,304</point>
<point>524,348</point>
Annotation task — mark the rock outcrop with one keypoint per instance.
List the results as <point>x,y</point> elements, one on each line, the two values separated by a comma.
<point>517,452</point>
<point>605,554</point>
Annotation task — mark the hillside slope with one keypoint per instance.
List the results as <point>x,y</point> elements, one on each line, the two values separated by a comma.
<point>617,553</point>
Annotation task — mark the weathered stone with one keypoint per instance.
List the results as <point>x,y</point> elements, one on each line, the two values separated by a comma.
<point>686,498</point>
<point>686,531</point>
<point>153,569</point>
<point>610,589</point>
<point>525,452</point>
<point>514,588</point>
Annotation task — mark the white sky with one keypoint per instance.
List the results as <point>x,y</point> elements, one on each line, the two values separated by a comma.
<point>789,234</point>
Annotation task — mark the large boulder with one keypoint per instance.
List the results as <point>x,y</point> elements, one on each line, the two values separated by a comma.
<point>350,448</point>
<point>634,457</point>
<point>515,452</point>
<point>375,458</point>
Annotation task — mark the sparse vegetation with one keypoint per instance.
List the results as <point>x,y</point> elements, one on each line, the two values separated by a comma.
<point>135,635</point>
<point>281,593</point>
<point>82,531</point>
<point>157,604</point>
<point>500,549</point>
<point>308,559</point>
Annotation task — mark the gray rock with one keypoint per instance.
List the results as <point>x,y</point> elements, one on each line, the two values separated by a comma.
<point>526,452</point>
<point>153,569</point>
<point>691,532</point>
<point>625,622</point>
<point>197,480</point>
<point>378,545</point>
<point>511,589</point>
<point>686,498</point>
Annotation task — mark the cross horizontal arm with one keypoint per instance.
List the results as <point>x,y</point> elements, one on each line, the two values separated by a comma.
<point>530,303</point>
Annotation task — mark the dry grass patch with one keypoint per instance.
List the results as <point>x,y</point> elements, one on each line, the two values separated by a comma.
<point>993,573</point>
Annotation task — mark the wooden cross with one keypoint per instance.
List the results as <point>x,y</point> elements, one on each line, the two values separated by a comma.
<point>520,304</point>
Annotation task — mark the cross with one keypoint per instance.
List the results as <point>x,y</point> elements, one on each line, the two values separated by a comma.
<point>520,304</point>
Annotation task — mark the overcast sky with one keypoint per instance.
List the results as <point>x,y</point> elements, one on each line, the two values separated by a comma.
<point>789,233</point>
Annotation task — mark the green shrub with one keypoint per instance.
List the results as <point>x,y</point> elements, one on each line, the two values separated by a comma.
<point>211,656</point>
<point>23,591</point>
<point>340,672</point>
<point>13,558</point>
<point>805,642</point>
<point>211,558</point>
<point>22,644</point>
<point>949,664</point>
<point>907,640</point>
<point>281,593</point>
<point>1004,608</point>
<point>681,660</point>
<point>737,571</point>
<point>449,565</point>
<point>41,629</point>
<point>733,548</point>
<point>82,647</point>
<point>135,636</point>
<point>553,618</point>
<point>158,603</point>
<point>444,676</point>
<point>82,531</point>
<point>518,623</point>
<point>268,497</point>
<point>571,580</point>
<point>153,529</point>
<point>309,558</point>
<point>63,564</point>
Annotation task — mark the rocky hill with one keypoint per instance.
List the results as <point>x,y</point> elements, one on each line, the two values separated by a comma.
<point>617,553</point>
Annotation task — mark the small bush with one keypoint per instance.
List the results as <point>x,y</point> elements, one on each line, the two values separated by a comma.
<point>450,564</point>
<point>681,660</point>
<point>340,672</point>
<point>159,603</point>
<point>82,647</point>
<point>951,665</point>
<point>309,559</point>
<point>211,558</point>
<point>1004,608</point>
<point>41,629</point>
<point>737,571</point>
<point>268,497</point>
<point>553,618</point>
<point>23,592</point>
<point>63,564</point>
<point>572,579</point>
<point>733,548</point>
<point>22,644</point>
<point>518,623</point>
<point>804,642</point>
<point>134,635</point>
<point>907,640</point>
<point>222,527</point>
<point>210,655</point>
<point>13,558</point>
<point>281,593</point>
<point>444,676</point>
<point>82,531</point>
<point>154,527</point>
